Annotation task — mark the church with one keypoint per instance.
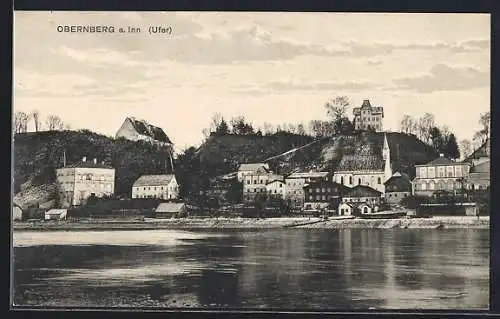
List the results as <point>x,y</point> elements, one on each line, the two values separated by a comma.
<point>370,170</point>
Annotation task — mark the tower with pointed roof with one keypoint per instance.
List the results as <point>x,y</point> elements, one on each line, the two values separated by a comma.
<point>386,155</point>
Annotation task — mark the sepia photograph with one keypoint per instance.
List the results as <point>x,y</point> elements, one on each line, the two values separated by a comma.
<point>292,161</point>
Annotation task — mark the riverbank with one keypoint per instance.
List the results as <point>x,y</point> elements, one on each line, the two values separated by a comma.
<point>482,222</point>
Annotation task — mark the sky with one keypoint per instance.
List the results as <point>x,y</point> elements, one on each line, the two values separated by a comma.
<point>269,67</point>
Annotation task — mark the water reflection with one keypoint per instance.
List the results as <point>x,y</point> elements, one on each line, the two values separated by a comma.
<point>292,269</point>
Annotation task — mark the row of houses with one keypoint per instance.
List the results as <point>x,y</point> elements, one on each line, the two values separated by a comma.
<point>366,179</point>
<point>93,178</point>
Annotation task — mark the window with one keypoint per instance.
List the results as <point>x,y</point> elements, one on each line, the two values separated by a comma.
<point>88,177</point>
<point>359,181</point>
<point>281,185</point>
<point>261,182</point>
<point>317,197</point>
<point>317,190</point>
<point>248,182</point>
<point>144,188</point>
<point>423,186</point>
<point>255,181</point>
<point>350,180</point>
<point>379,181</point>
<point>323,190</point>
<point>342,180</point>
<point>323,197</point>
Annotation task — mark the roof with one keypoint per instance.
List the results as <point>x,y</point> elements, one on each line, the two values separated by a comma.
<point>363,191</point>
<point>274,181</point>
<point>481,168</point>
<point>482,151</point>
<point>56,211</point>
<point>251,167</point>
<point>154,180</point>
<point>307,175</point>
<point>144,128</point>
<point>400,181</point>
<point>170,207</point>
<point>342,188</point>
<point>88,164</point>
<point>441,161</point>
<point>360,163</point>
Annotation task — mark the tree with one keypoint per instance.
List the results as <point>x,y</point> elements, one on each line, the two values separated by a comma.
<point>35,115</point>
<point>465,148</point>
<point>483,134</point>
<point>240,127</point>
<point>215,121</point>
<point>300,129</point>
<point>451,147</point>
<point>425,123</point>
<point>337,107</point>
<point>222,128</point>
<point>21,122</point>
<point>436,139</point>
<point>54,123</point>
<point>268,128</point>
<point>405,124</point>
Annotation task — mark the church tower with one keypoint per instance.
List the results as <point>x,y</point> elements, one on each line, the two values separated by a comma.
<point>386,155</point>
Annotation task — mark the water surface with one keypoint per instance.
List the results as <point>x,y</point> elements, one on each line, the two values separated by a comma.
<point>276,269</point>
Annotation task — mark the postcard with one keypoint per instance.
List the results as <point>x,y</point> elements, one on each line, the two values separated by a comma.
<point>251,161</point>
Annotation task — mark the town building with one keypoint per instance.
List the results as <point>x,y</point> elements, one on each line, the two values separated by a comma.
<point>480,155</point>
<point>170,210</point>
<point>367,117</point>
<point>479,177</point>
<point>56,214</point>
<point>252,168</point>
<point>156,186</point>
<point>441,174</point>
<point>276,188</point>
<point>346,209</point>
<point>397,187</point>
<point>355,209</point>
<point>363,194</point>
<point>369,170</point>
<point>221,186</point>
<point>295,183</point>
<point>256,183</point>
<point>323,193</point>
<point>139,130</point>
<point>79,181</point>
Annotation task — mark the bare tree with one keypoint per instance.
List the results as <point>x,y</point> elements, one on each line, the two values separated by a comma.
<point>21,122</point>
<point>54,123</point>
<point>465,148</point>
<point>268,128</point>
<point>406,124</point>
<point>425,123</point>
<point>337,107</point>
<point>67,127</point>
<point>485,121</point>
<point>215,121</point>
<point>35,115</point>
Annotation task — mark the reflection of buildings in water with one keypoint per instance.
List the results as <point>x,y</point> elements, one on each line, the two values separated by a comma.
<point>345,245</point>
<point>273,265</point>
<point>392,299</point>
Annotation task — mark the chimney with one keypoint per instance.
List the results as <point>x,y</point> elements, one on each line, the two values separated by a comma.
<point>84,159</point>
<point>95,160</point>
<point>441,155</point>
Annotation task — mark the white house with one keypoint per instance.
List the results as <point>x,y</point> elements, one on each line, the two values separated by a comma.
<point>79,181</point>
<point>156,186</point>
<point>346,209</point>
<point>56,214</point>
<point>252,169</point>
<point>276,188</point>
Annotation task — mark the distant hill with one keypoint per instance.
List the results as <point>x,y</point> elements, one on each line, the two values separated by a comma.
<point>326,153</point>
<point>37,155</point>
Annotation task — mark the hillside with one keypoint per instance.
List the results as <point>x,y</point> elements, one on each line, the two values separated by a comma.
<point>37,155</point>
<point>326,153</point>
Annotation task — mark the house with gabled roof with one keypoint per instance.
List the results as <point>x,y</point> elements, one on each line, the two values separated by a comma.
<point>441,174</point>
<point>251,169</point>
<point>397,187</point>
<point>139,130</point>
<point>163,186</point>
<point>480,155</point>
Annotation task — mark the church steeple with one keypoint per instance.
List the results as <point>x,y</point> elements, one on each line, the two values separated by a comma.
<point>386,154</point>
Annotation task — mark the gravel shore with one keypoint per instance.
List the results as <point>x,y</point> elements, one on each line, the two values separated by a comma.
<point>482,222</point>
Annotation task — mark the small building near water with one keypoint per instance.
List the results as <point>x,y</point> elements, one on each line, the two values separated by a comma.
<point>56,214</point>
<point>346,209</point>
<point>17,213</point>
<point>169,210</point>
<point>397,187</point>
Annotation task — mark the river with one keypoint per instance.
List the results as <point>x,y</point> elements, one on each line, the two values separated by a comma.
<point>292,269</point>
